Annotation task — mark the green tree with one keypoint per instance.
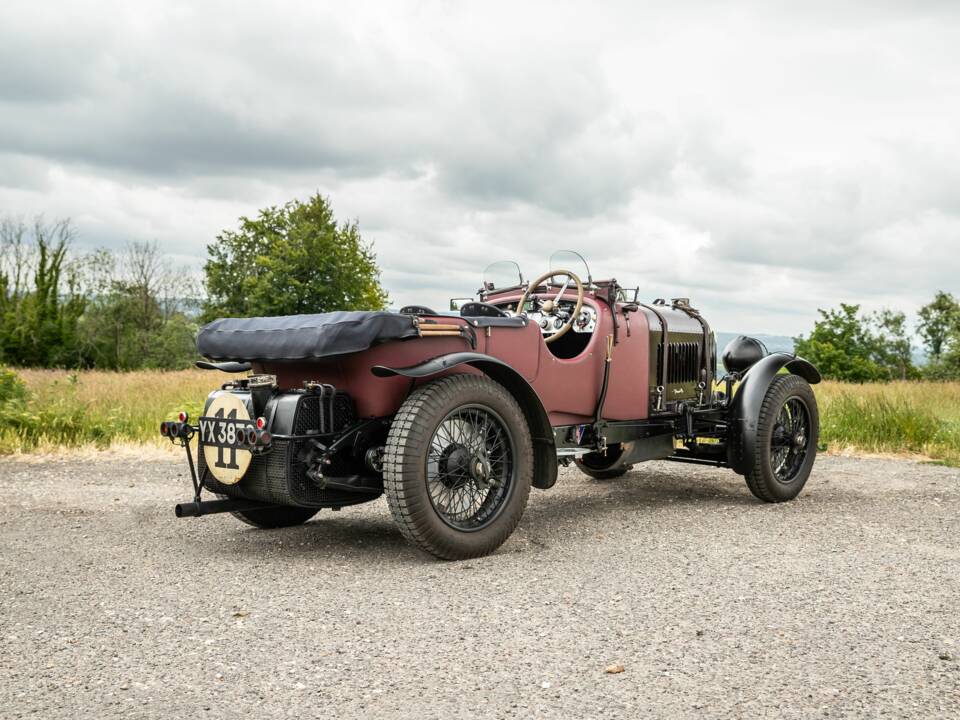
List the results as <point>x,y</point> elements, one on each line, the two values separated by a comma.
<point>938,320</point>
<point>893,349</point>
<point>289,260</point>
<point>40,298</point>
<point>846,345</point>
<point>133,318</point>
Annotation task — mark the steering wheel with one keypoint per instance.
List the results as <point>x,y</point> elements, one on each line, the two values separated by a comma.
<point>550,306</point>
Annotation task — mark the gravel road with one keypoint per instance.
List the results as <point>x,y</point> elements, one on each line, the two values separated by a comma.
<point>843,603</point>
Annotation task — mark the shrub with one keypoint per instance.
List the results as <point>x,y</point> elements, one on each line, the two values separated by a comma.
<point>12,388</point>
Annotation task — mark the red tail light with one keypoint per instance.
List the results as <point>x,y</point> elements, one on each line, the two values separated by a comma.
<point>265,438</point>
<point>164,429</point>
<point>261,423</point>
<point>183,416</point>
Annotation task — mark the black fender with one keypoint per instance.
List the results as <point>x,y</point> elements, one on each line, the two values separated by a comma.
<point>744,412</point>
<point>544,447</point>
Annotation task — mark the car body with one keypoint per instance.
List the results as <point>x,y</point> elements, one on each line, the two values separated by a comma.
<point>456,416</point>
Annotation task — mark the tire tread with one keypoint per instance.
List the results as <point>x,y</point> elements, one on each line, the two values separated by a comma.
<point>781,388</point>
<point>412,429</point>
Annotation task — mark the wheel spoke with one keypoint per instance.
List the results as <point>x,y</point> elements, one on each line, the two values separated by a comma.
<point>790,440</point>
<point>468,468</point>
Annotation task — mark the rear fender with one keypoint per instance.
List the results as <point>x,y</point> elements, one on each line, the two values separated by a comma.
<point>544,447</point>
<point>744,412</point>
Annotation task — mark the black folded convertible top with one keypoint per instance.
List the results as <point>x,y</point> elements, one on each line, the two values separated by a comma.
<point>300,337</point>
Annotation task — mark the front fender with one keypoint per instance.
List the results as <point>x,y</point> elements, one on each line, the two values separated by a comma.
<point>744,412</point>
<point>544,446</point>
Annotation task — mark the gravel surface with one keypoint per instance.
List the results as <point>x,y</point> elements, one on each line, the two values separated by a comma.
<point>843,603</point>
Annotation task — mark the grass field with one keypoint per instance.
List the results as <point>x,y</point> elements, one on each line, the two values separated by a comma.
<point>99,409</point>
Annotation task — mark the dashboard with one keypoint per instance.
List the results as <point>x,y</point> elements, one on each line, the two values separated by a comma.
<point>586,321</point>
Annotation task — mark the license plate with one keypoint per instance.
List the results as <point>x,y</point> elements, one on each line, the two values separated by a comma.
<point>221,436</point>
<point>224,432</point>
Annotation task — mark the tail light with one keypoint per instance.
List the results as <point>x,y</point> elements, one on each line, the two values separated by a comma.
<point>261,423</point>
<point>165,429</point>
<point>183,416</point>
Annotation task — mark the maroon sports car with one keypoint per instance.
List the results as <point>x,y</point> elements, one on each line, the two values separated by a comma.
<point>454,416</point>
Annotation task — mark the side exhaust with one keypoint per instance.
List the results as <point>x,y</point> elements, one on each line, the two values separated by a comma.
<point>210,507</point>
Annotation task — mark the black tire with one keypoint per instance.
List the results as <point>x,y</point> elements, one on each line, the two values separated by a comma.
<point>429,469</point>
<point>278,517</point>
<point>787,435</point>
<point>604,466</point>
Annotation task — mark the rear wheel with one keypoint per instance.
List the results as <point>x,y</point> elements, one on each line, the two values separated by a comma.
<point>457,466</point>
<point>604,466</point>
<point>787,434</point>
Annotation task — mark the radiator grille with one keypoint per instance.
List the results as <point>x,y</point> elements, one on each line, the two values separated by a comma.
<point>684,364</point>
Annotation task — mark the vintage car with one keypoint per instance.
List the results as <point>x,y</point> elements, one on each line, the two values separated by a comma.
<point>454,416</point>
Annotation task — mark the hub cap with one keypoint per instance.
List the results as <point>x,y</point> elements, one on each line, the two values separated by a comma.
<point>470,467</point>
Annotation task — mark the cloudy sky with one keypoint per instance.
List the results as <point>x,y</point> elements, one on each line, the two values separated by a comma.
<point>764,158</point>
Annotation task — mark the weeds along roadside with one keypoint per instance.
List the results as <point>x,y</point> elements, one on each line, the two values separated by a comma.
<point>53,409</point>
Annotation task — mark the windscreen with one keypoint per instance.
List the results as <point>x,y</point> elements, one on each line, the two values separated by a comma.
<point>502,274</point>
<point>572,261</point>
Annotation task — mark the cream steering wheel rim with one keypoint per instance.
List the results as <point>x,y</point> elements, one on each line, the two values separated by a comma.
<point>576,311</point>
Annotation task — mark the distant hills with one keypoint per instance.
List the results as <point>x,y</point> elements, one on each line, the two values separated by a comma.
<point>774,343</point>
<point>781,343</point>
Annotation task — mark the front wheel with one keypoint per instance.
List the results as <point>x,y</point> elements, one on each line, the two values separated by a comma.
<point>457,466</point>
<point>786,444</point>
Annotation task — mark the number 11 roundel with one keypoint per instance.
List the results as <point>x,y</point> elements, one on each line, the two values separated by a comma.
<point>217,433</point>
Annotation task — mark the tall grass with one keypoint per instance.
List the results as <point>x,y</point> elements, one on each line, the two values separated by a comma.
<point>97,409</point>
<point>901,417</point>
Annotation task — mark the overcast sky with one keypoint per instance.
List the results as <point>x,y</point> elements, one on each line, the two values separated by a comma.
<point>764,158</point>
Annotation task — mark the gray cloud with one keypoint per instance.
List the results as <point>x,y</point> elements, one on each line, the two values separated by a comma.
<point>764,158</point>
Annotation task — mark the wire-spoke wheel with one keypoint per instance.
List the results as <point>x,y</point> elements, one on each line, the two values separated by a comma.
<point>787,434</point>
<point>791,440</point>
<point>457,466</point>
<point>470,467</point>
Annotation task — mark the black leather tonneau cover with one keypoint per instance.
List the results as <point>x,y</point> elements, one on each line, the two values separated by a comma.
<point>300,337</point>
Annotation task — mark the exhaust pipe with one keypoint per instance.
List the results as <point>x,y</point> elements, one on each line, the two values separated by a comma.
<point>210,507</point>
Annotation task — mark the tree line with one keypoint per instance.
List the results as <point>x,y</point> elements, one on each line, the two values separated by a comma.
<point>117,311</point>
<point>131,309</point>
<point>847,344</point>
